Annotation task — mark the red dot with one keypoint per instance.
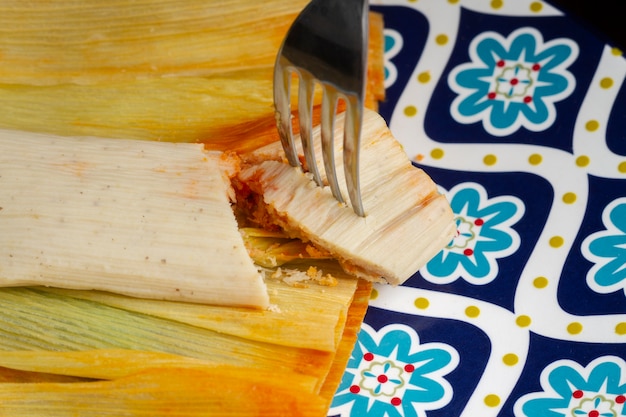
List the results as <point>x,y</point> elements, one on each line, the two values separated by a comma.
<point>382,378</point>
<point>528,99</point>
<point>396,401</point>
<point>536,67</point>
<point>479,222</point>
<point>355,389</point>
<point>500,63</point>
<point>593,413</point>
<point>620,399</point>
<point>577,394</point>
<point>368,356</point>
<point>409,368</point>
<point>468,252</point>
<point>491,96</point>
<point>514,81</point>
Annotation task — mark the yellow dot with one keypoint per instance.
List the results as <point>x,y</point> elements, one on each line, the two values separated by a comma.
<point>472,311</point>
<point>453,1</point>
<point>536,6</point>
<point>436,153</point>
<point>421,303</point>
<point>616,51</point>
<point>441,39</point>
<point>535,159</point>
<point>574,328</point>
<point>540,282</point>
<point>523,321</point>
<point>582,161</point>
<point>423,77</point>
<point>622,167</point>
<point>496,4</point>
<point>510,359</point>
<point>606,82</point>
<point>374,294</point>
<point>621,328</point>
<point>492,400</point>
<point>410,111</point>
<point>490,159</point>
<point>592,125</point>
<point>569,198</point>
<point>556,241</point>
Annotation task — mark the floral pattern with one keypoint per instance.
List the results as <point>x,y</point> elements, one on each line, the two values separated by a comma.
<point>513,82</point>
<point>484,234</point>
<point>607,249</point>
<point>598,390</point>
<point>515,110</point>
<point>390,373</point>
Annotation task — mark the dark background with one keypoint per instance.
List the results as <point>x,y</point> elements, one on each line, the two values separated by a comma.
<point>605,17</point>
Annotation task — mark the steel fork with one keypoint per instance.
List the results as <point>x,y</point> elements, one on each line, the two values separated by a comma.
<point>327,44</point>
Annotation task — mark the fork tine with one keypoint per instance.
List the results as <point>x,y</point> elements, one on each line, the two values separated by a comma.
<point>329,103</point>
<point>305,111</point>
<point>351,147</point>
<point>282,103</point>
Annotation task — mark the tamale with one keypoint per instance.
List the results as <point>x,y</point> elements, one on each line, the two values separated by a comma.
<point>91,41</point>
<point>146,219</point>
<point>407,221</point>
<point>225,103</point>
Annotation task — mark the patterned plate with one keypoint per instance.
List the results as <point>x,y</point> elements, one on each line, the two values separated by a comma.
<point>518,113</point>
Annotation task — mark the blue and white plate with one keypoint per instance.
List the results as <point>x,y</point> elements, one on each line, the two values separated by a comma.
<point>518,113</point>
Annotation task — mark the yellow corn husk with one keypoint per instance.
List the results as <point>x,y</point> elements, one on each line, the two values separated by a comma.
<point>221,391</point>
<point>48,85</point>
<point>100,364</point>
<point>34,319</point>
<point>46,366</point>
<point>188,109</point>
<point>310,316</point>
<point>90,41</point>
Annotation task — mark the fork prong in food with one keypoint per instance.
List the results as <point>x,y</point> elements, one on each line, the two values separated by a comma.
<point>306,88</point>
<point>329,105</point>
<point>351,147</point>
<point>282,103</point>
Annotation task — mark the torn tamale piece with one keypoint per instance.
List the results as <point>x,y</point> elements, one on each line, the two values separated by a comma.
<point>407,221</point>
<point>146,219</point>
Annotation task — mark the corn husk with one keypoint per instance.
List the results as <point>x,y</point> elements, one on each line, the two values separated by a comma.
<point>95,71</point>
<point>150,378</point>
<point>220,391</point>
<point>91,42</point>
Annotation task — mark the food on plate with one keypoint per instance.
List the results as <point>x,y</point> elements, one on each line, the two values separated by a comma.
<point>306,329</point>
<point>172,72</point>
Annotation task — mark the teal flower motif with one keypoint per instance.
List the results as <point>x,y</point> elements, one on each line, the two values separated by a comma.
<point>513,82</point>
<point>393,45</point>
<point>391,374</point>
<point>569,390</point>
<point>607,250</point>
<point>484,234</point>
